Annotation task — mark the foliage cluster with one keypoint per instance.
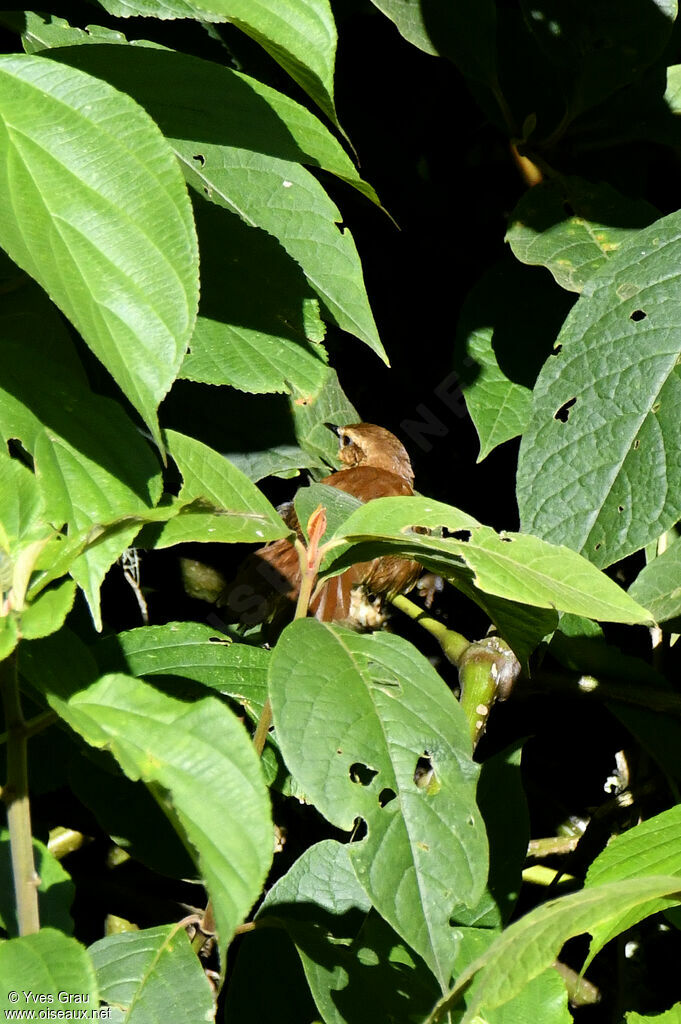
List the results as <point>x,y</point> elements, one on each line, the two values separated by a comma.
<point>182,304</point>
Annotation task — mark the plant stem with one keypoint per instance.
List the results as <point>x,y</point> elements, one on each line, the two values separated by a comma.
<point>15,795</point>
<point>453,644</point>
<point>262,728</point>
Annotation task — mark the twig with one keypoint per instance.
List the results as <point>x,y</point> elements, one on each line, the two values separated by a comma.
<point>15,796</point>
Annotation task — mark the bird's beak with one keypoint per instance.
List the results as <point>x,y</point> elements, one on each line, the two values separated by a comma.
<point>333,427</point>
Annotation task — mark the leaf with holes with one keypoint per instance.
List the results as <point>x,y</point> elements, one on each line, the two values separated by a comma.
<point>76,152</point>
<point>513,566</point>
<point>598,466</point>
<point>242,147</point>
<point>572,227</point>
<point>370,731</point>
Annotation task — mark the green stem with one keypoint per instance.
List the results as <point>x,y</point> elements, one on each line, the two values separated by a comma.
<point>34,725</point>
<point>15,795</point>
<point>453,644</point>
<point>478,679</point>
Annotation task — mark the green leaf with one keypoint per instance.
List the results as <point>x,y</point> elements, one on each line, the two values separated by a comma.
<point>226,507</point>
<point>259,327</point>
<point>672,1016</point>
<point>312,412</point>
<point>22,509</point>
<point>39,32</point>
<point>544,998</point>
<point>597,468</point>
<point>92,465</point>
<point>301,37</point>
<point>503,805</point>
<point>572,227</point>
<point>148,971</point>
<point>338,505</point>
<point>530,945</point>
<point>9,635</point>
<point>658,585</point>
<point>46,614</point>
<point>513,566</point>
<point>74,152</point>
<point>284,460</point>
<point>47,963</point>
<point>181,750</point>
<point>190,650</point>
<point>55,893</point>
<point>504,334</point>
<point>651,848</point>
<point>241,146</point>
<point>354,717</point>
<point>356,966</point>
<point>128,813</point>
<point>464,31</point>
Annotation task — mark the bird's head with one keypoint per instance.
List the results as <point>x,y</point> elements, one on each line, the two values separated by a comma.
<point>365,444</point>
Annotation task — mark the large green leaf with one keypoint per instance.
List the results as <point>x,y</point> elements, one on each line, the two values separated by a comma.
<point>651,848</point>
<point>190,650</point>
<point>572,227</point>
<point>96,212</point>
<point>356,967</point>
<point>182,750</point>
<point>221,503</point>
<point>46,964</point>
<point>530,945</point>
<point>241,146</point>
<point>671,1016</point>
<point>300,36</point>
<point>147,972</point>
<point>598,468</point>
<point>355,716</point>
<point>92,465</point>
<point>514,566</point>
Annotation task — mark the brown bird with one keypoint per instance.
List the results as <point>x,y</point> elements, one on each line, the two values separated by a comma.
<point>268,582</point>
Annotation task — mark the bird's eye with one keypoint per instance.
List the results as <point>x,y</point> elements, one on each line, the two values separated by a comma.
<point>345,440</point>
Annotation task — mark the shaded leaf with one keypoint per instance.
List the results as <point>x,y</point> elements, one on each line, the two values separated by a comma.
<point>658,585</point>
<point>356,966</point>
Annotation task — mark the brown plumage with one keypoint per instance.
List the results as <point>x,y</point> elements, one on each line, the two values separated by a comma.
<point>267,585</point>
